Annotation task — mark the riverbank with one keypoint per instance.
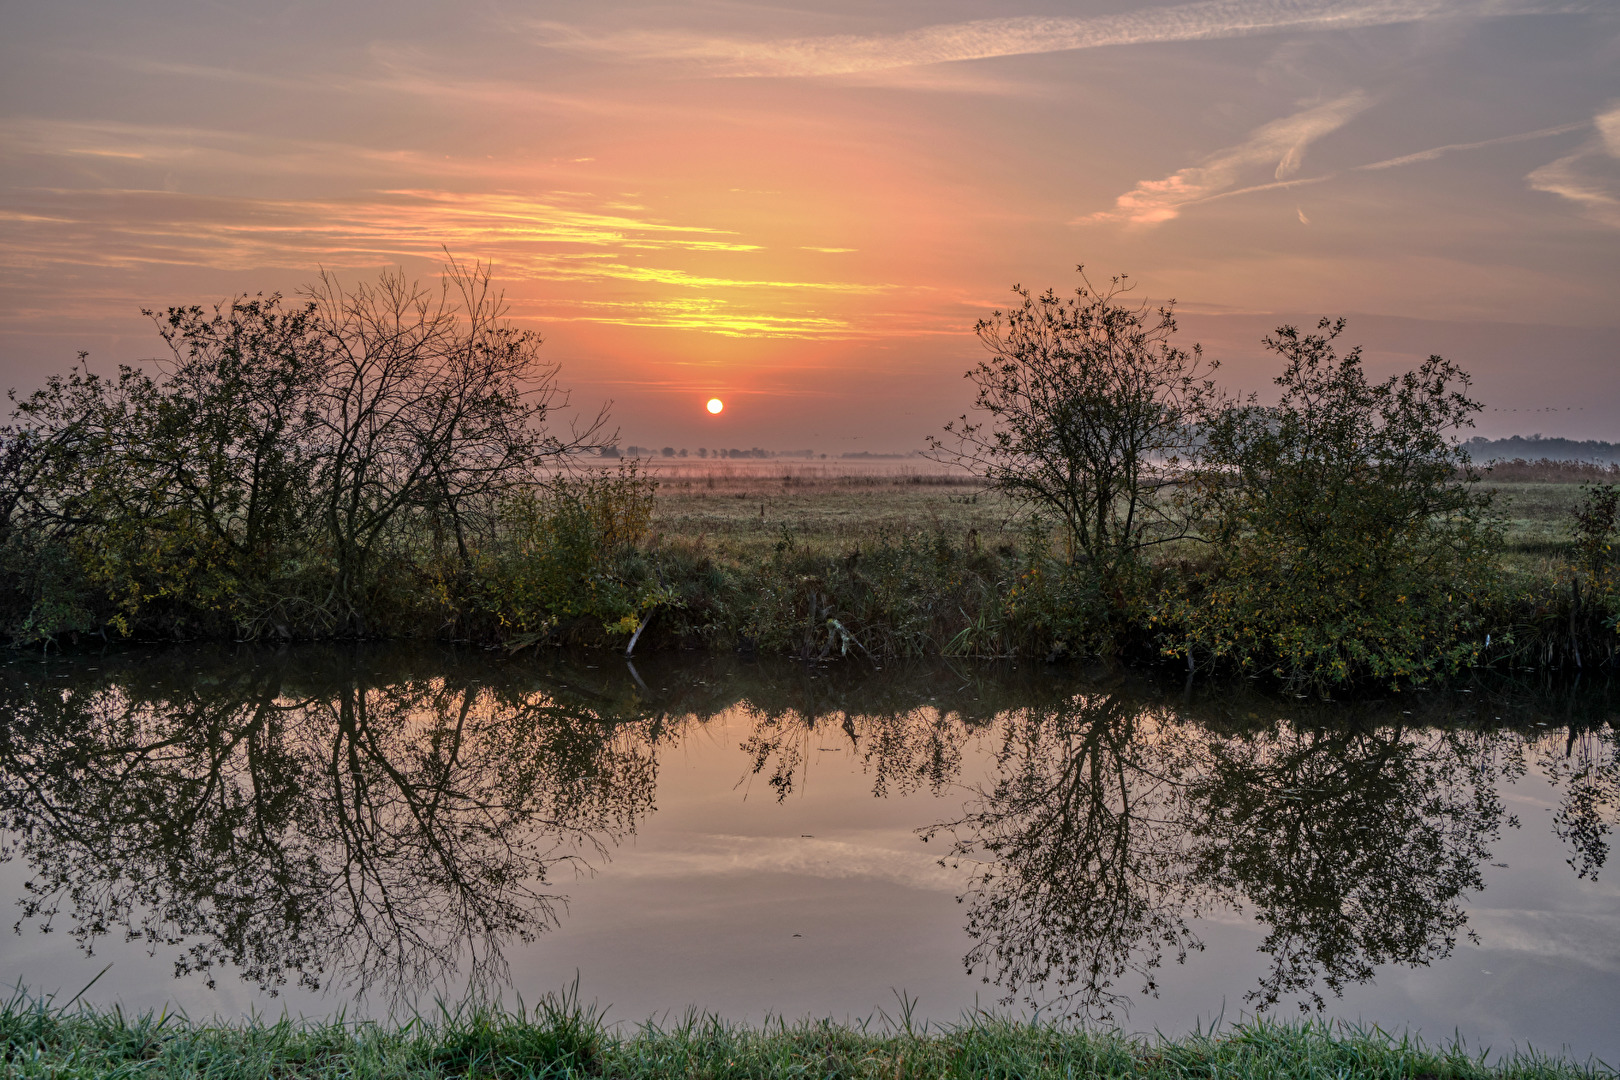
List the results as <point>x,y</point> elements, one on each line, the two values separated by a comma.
<point>909,562</point>
<point>563,1038</point>
<point>904,561</point>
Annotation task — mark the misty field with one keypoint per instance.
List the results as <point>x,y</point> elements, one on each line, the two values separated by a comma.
<point>742,510</point>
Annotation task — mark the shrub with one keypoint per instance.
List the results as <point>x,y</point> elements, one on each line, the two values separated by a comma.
<point>1594,576</point>
<point>286,469</point>
<point>557,560</point>
<point>1343,548</point>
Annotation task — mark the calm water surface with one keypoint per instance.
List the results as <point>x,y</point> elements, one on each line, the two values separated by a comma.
<point>321,829</point>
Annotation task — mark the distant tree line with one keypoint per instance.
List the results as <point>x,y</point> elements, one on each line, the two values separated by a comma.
<point>703,453</point>
<point>1538,447</point>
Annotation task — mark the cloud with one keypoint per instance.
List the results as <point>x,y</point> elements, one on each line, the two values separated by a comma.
<point>1590,176</point>
<point>540,237</point>
<point>706,313</point>
<point>710,854</point>
<point>1440,151</point>
<point>1282,142</point>
<point>1563,937</point>
<point>572,243</point>
<point>1018,36</point>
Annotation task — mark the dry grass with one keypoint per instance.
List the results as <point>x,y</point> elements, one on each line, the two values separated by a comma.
<point>1547,471</point>
<point>743,510</point>
<point>740,509</point>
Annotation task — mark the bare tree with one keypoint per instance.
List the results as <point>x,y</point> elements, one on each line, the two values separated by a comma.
<point>431,403</point>
<point>1090,409</point>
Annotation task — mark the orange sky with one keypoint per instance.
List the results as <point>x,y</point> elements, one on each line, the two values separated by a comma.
<point>803,209</point>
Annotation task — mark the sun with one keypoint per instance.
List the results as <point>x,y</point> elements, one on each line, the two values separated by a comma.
<point>715,405</point>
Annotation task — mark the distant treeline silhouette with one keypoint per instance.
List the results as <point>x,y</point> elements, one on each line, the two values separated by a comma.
<point>1536,447</point>
<point>702,452</point>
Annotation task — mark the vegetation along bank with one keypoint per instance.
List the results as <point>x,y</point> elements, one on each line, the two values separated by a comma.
<point>385,461</point>
<point>562,1038</point>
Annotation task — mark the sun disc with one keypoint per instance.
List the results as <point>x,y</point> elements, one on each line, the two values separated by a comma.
<point>715,405</point>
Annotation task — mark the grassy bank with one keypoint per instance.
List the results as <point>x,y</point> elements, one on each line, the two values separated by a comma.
<point>562,1039</point>
<point>812,560</point>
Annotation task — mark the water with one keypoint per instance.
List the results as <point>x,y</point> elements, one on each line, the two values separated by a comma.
<point>369,829</point>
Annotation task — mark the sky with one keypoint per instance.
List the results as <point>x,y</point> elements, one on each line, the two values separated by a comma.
<point>802,208</point>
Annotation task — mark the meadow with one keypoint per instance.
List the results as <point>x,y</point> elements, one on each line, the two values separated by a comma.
<point>764,555</point>
<point>740,509</point>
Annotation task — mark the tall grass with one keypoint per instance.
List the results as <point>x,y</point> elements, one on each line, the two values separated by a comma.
<point>564,1037</point>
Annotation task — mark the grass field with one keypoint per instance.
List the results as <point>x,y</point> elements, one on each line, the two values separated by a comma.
<point>740,509</point>
<point>1537,515</point>
<point>561,1038</point>
<point>909,558</point>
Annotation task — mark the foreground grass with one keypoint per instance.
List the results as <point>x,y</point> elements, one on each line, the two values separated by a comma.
<point>561,1038</point>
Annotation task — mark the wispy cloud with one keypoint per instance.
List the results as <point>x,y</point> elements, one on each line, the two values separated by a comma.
<point>1281,144</point>
<point>1154,201</point>
<point>1441,151</point>
<point>569,243</point>
<point>709,314</point>
<point>1589,177</point>
<point>139,226</point>
<point>986,38</point>
<point>712,854</point>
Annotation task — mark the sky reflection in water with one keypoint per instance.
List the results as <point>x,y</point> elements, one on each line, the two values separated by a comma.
<point>329,826</point>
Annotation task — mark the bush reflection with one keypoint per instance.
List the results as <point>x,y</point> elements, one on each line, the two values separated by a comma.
<point>315,820</point>
<point>387,820</point>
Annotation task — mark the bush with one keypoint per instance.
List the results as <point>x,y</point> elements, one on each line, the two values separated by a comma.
<point>557,560</point>
<point>1592,580</point>
<point>287,469</point>
<point>1342,546</point>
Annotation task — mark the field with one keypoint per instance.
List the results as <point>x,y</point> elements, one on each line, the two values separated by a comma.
<point>742,510</point>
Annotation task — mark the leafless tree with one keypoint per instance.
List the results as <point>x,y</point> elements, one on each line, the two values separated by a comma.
<point>432,403</point>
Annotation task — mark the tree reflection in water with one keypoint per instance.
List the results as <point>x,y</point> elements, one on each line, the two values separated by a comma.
<point>1354,845</point>
<point>320,821</point>
<point>1078,852</point>
<point>382,820</point>
<point>1111,823</point>
<point>1586,765</point>
<point>1109,828</point>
